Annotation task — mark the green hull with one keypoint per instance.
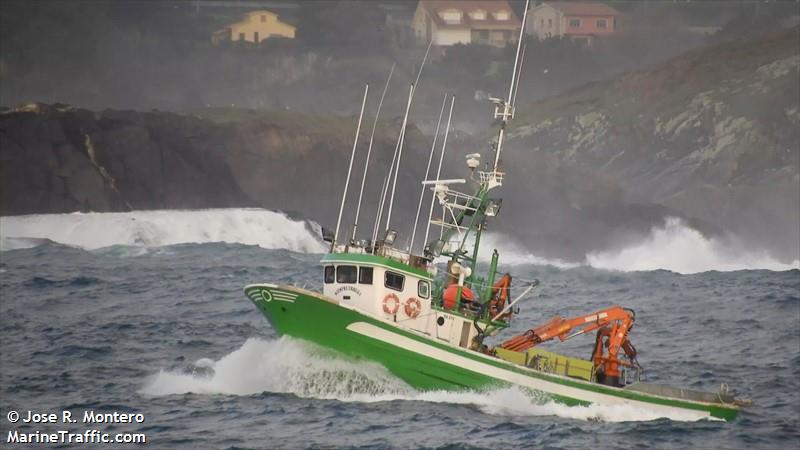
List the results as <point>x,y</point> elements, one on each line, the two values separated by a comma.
<point>427,364</point>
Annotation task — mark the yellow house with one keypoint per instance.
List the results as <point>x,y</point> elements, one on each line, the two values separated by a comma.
<point>255,26</point>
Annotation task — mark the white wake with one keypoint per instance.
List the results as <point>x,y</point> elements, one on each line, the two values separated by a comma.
<point>677,247</point>
<point>295,367</point>
<point>91,231</point>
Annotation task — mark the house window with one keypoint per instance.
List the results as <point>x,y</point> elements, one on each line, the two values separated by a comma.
<point>541,23</point>
<point>255,37</point>
<point>478,14</point>
<point>502,15</point>
<point>346,274</point>
<point>601,23</point>
<point>263,19</point>
<point>393,280</point>
<point>451,15</point>
<point>574,23</point>
<point>241,36</point>
<point>423,289</point>
<point>365,275</point>
<point>549,23</point>
<point>330,274</point>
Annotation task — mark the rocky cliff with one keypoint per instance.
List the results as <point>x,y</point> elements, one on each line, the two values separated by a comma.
<point>712,135</point>
<point>59,159</point>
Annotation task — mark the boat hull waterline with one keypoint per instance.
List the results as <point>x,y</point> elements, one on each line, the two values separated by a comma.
<point>426,364</point>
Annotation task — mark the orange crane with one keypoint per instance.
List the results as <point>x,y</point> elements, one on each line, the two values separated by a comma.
<point>613,325</point>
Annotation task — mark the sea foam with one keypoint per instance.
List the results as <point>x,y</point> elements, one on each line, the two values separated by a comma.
<point>677,247</point>
<point>267,229</point>
<point>290,366</point>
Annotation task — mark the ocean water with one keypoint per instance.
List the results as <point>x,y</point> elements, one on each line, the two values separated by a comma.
<point>146,324</point>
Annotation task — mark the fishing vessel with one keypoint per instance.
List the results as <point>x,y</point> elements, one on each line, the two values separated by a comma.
<point>429,322</point>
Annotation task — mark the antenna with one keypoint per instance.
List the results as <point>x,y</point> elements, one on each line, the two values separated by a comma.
<point>439,170</point>
<point>506,105</point>
<point>427,170</point>
<point>403,132</point>
<point>519,76</point>
<point>349,169</point>
<point>398,150</point>
<point>380,209</point>
<point>519,46</point>
<point>369,152</point>
<point>424,58</point>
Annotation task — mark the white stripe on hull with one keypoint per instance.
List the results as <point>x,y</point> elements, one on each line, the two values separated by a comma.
<point>397,340</point>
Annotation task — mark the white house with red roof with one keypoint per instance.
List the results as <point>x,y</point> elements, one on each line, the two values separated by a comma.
<point>450,22</point>
<point>575,20</point>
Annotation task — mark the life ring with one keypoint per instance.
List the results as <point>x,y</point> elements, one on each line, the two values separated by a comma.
<point>391,303</point>
<point>412,307</point>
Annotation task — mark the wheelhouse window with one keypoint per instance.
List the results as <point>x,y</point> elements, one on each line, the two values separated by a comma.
<point>365,275</point>
<point>346,274</point>
<point>394,280</point>
<point>330,274</point>
<point>423,289</point>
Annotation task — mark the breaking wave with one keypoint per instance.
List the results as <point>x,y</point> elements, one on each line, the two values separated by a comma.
<point>295,367</point>
<point>677,247</point>
<point>91,231</point>
<point>514,254</point>
<point>672,246</point>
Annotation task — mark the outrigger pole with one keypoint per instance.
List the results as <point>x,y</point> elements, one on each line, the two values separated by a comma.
<point>427,170</point>
<point>369,151</point>
<point>398,150</point>
<point>439,170</point>
<point>349,169</point>
<point>380,209</point>
<point>401,141</point>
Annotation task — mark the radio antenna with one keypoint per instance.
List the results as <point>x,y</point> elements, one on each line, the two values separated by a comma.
<point>349,169</point>
<point>369,151</point>
<point>427,171</point>
<point>504,109</point>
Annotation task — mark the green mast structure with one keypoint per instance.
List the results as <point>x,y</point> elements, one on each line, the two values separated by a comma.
<point>464,216</point>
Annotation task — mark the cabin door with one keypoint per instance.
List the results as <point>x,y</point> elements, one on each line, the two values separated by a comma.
<point>465,328</point>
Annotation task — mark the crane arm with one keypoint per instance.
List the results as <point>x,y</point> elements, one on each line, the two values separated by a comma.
<point>612,325</point>
<point>564,329</point>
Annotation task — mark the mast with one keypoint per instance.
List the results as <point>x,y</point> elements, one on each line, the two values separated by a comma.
<point>369,152</point>
<point>427,170</point>
<point>398,152</point>
<point>439,170</point>
<point>403,133</point>
<point>464,214</point>
<point>506,104</point>
<point>349,169</point>
<point>381,200</point>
